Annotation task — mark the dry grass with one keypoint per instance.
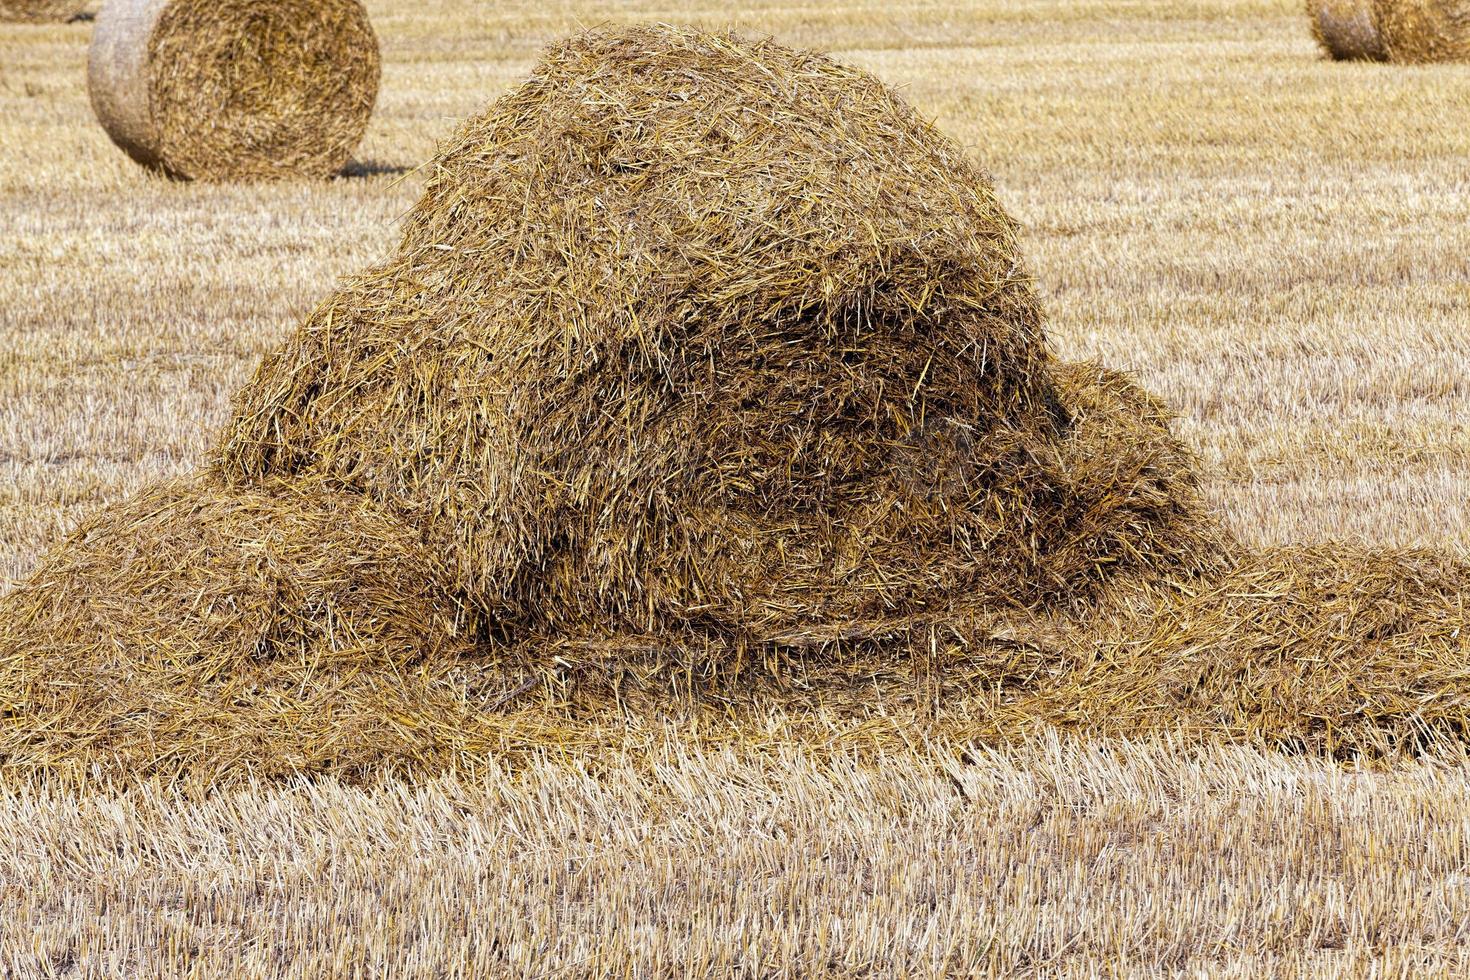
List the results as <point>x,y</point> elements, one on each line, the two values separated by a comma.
<point>654,860</point>
<point>1274,244</point>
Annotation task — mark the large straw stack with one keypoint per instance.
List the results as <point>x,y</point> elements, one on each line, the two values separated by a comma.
<point>706,379</point>
<point>235,89</point>
<point>696,335</point>
<point>1423,31</point>
<point>40,11</point>
<point>1346,29</point>
<point>286,627</point>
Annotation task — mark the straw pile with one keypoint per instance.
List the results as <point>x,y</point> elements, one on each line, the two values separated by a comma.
<point>1346,29</point>
<point>196,624</point>
<point>1329,650</point>
<point>235,89</point>
<point>1422,31</point>
<point>40,11</point>
<point>693,335</point>
<point>706,378</point>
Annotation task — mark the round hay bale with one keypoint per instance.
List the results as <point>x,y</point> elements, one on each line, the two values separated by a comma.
<point>40,11</point>
<point>1424,31</point>
<point>235,89</point>
<point>1346,30</point>
<point>699,333</point>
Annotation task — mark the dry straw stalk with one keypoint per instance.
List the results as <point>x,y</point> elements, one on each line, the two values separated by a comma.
<point>235,89</point>
<point>1422,31</point>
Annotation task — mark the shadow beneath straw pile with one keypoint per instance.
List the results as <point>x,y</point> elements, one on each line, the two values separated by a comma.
<point>373,168</point>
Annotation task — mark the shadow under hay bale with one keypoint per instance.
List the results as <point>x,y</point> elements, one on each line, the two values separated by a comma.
<point>1346,29</point>
<point>41,11</point>
<point>1424,31</point>
<point>235,89</point>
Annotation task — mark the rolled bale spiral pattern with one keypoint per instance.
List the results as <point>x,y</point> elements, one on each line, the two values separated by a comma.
<point>1424,31</point>
<point>235,89</point>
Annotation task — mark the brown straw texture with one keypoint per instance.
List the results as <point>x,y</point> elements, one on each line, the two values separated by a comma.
<point>235,89</point>
<point>40,11</point>
<point>197,627</point>
<point>706,382</point>
<point>1346,29</point>
<point>697,335</point>
<point>1424,31</point>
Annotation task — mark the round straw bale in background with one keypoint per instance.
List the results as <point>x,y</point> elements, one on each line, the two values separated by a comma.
<point>230,89</point>
<point>1345,29</point>
<point>39,11</point>
<point>1420,31</point>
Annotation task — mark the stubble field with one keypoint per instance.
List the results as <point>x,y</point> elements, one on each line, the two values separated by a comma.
<point>1277,246</point>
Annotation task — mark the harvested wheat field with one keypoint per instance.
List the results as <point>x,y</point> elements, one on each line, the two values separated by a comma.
<point>941,509</point>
